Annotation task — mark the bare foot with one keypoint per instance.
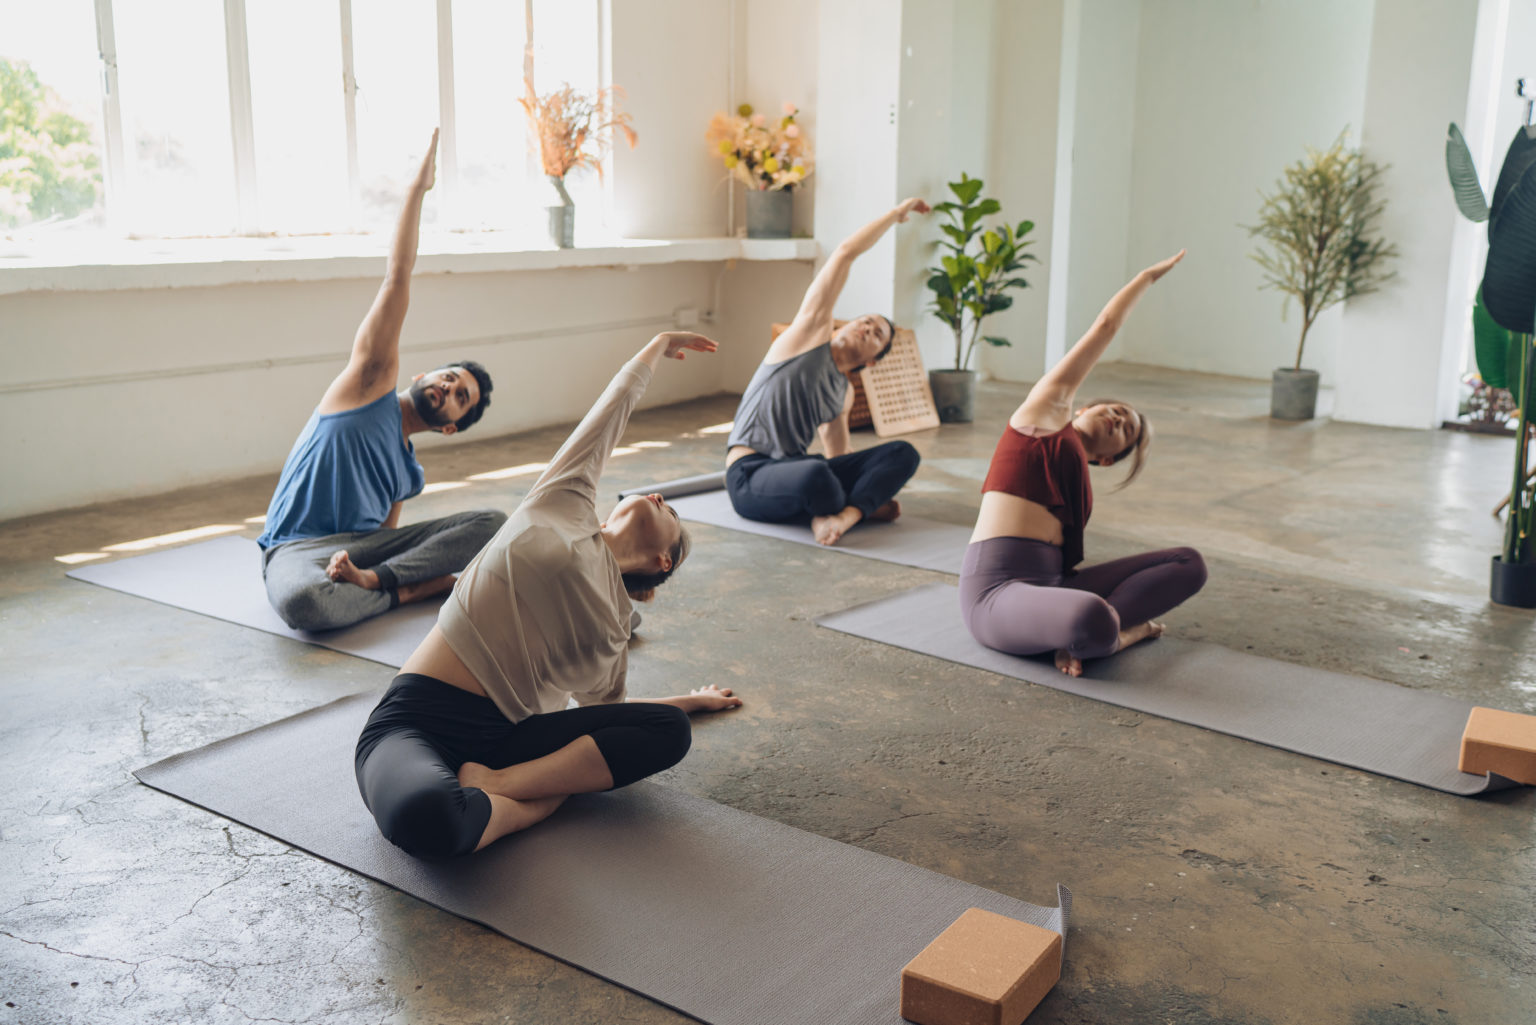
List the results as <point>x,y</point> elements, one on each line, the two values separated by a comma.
<point>1148,631</point>
<point>887,512</point>
<point>1069,664</point>
<point>341,569</point>
<point>830,529</point>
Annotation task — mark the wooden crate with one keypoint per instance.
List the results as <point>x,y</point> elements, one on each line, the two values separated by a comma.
<point>892,396</point>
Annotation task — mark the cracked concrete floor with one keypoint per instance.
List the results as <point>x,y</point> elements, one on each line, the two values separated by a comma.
<point>1216,880</point>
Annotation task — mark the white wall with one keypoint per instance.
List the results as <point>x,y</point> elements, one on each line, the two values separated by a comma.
<point>943,117</point>
<point>1393,369</point>
<point>1101,161</point>
<point>779,49</point>
<point>1026,62</point>
<point>1227,94</point>
<point>144,391</point>
<point>858,80</point>
<point>672,58</point>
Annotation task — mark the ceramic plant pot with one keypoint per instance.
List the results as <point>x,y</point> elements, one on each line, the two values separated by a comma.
<point>1293,394</point>
<point>954,393</point>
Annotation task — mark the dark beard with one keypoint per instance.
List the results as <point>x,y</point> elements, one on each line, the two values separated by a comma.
<point>430,415</point>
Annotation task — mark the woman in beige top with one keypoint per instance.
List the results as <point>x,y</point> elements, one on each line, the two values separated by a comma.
<point>473,740</point>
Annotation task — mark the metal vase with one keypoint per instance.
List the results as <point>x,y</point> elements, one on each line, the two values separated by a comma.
<point>1293,394</point>
<point>954,393</point>
<point>769,213</point>
<point>562,213</point>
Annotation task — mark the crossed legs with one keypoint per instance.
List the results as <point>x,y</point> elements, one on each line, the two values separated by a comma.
<point>444,773</point>
<point>831,495</point>
<point>1015,599</point>
<point>324,583</point>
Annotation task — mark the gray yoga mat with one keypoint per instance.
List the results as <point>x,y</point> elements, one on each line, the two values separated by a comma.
<point>910,541</point>
<point>1380,727</point>
<point>716,913</point>
<point>683,486</point>
<point>222,578</point>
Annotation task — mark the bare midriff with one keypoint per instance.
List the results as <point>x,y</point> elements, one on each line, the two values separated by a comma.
<point>434,658</point>
<point>1005,515</point>
<point>736,452</point>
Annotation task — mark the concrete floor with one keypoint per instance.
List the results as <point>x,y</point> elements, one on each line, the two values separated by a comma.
<point>1216,880</point>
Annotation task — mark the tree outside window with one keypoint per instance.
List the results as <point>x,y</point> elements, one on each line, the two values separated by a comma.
<point>49,168</point>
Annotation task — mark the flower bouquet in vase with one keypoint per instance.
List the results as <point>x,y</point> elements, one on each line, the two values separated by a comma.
<point>771,158</point>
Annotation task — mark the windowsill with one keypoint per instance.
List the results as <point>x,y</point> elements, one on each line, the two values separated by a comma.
<point>200,263</point>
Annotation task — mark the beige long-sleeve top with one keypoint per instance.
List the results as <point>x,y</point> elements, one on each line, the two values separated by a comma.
<point>541,614</point>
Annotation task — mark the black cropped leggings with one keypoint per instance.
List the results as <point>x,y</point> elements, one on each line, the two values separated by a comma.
<point>1015,599</point>
<point>423,730</point>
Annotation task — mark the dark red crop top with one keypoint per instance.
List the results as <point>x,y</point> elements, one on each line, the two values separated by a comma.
<point>1051,469</point>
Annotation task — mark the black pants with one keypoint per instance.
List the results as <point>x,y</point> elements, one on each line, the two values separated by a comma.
<point>795,489</point>
<point>423,730</point>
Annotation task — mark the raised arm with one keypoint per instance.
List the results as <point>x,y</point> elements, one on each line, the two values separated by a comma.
<point>812,325</point>
<point>375,362</point>
<point>580,461</point>
<point>1049,403</point>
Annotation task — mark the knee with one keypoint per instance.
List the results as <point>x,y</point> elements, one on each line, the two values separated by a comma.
<point>823,493</point>
<point>674,736</point>
<point>1193,564</point>
<point>905,456</point>
<point>487,521</point>
<point>303,609</point>
<point>1096,630</point>
<point>427,823</point>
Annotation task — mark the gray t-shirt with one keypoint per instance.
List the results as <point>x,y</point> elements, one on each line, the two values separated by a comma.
<point>541,615</point>
<point>785,402</point>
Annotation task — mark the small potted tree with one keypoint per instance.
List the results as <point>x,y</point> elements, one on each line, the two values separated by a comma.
<point>1320,247</point>
<point>977,267</point>
<point>1503,327</point>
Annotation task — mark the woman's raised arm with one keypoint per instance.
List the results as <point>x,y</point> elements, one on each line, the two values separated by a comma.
<point>1051,397</point>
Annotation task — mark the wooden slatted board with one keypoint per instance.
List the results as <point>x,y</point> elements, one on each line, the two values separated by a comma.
<point>903,401</point>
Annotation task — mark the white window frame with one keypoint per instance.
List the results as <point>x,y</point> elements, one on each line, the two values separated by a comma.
<point>248,217</point>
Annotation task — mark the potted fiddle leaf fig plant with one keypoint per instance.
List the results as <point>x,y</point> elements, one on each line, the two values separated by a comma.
<point>977,266</point>
<point>1320,247</point>
<point>1503,327</point>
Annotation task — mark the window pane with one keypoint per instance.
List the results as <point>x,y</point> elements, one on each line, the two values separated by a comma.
<point>565,52</point>
<point>299,111</point>
<point>394,53</point>
<point>175,97</point>
<point>492,130</point>
<point>51,167</point>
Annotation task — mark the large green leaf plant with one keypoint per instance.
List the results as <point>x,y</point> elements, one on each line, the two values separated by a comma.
<point>1504,316</point>
<point>977,266</point>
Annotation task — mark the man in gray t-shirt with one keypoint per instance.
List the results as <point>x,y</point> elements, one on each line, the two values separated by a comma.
<point>804,389</point>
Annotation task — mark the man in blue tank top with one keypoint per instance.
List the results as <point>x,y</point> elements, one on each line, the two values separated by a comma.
<point>334,552</point>
<point>804,389</point>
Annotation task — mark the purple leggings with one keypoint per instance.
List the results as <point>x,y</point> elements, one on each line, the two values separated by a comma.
<point>1015,599</point>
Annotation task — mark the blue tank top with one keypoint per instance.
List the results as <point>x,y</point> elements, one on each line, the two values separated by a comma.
<point>785,402</point>
<point>344,474</point>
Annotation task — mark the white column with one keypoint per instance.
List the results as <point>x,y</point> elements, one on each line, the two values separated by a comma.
<point>1393,359</point>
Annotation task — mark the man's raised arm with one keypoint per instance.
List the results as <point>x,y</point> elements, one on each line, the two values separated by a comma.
<point>375,362</point>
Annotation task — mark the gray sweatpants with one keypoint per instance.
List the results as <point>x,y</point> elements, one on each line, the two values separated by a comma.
<point>307,599</point>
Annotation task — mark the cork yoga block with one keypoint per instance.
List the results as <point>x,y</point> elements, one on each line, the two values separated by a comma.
<point>1503,743</point>
<point>984,969</point>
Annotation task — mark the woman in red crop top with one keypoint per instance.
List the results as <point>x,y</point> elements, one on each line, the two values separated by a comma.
<point>1020,589</point>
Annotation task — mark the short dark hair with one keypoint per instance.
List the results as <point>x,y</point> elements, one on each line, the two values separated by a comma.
<point>890,324</point>
<point>483,379</point>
